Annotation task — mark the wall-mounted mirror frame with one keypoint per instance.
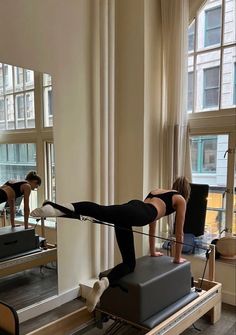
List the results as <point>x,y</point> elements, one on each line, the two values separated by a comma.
<point>26,143</point>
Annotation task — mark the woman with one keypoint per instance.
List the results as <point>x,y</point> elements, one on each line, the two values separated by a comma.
<point>14,189</point>
<point>157,204</point>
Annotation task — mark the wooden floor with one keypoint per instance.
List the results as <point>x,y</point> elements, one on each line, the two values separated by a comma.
<point>51,316</point>
<point>28,287</point>
<point>226,326</point>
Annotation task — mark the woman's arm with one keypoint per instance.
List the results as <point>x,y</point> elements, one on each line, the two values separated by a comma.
<point>179,225</point>
<point>11,202</point>
<point>26,192</point>
<point>152,240</point>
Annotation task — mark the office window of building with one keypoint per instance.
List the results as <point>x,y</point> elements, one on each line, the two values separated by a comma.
<point>212,26</point>
<point>204,154</point>
<point>211,87</point>
<point>212,116</point>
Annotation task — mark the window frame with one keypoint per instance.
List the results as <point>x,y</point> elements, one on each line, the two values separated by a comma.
<point>220,120</point>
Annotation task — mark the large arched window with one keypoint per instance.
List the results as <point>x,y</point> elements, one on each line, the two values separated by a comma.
<point>212,110</point>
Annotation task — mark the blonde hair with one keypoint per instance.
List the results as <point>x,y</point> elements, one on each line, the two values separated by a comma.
<point>181,184</point>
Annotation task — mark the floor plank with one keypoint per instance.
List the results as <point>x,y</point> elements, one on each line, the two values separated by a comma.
<point>28,287</point>
<point>225,326</point>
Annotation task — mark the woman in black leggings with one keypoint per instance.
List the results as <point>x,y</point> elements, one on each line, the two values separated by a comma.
<point>157,204</point>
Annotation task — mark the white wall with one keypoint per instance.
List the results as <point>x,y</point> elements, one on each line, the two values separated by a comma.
<point>55,36</point>
<point>61,38</point>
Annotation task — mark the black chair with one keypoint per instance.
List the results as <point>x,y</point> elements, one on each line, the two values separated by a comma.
<point>196,210</point>
<point>194,224</point>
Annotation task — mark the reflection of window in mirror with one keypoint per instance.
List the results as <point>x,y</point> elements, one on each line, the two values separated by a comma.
<point>26,100</point>
<point>47,94</point>
<point>50,185</point>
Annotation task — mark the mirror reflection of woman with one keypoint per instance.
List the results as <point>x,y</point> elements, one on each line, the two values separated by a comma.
<point>13,189</point>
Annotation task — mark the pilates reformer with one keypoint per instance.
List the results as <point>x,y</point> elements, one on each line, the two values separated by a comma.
<point>207,300</point>
<point>21,250</point>
<point>80,321</point>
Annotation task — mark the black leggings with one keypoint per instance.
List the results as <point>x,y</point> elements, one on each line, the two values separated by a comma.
<point>3,196</point>
<point>133,213</point>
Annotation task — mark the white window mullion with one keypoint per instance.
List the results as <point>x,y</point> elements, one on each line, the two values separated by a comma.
<point>24,97</point>
<point>221,51</point>
<point>230,182</point>
<point>194,66</point>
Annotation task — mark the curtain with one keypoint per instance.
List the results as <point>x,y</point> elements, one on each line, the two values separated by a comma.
<point>175,18</point>
<point>102,76</point>
<point>107,79</point>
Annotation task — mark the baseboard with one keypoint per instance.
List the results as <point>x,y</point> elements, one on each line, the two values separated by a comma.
<point>228,298</point>
<point>46,305</point>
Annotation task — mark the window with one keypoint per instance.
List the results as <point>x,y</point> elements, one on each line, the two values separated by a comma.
<point>17,89</point>
<point>191,33</point>
<point>204,154</point>
<point>212,26</point>
<point>212,57</point>
<point>24,138</point>
<point>2,109</point>
<point>47,91</point>
<point>212,113</point>
<point>211,87</point>
<point>50,173</point>
<point>190,91</point>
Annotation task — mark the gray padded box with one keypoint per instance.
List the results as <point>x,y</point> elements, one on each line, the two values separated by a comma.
<point>16,240</point>
<point>155,284</point>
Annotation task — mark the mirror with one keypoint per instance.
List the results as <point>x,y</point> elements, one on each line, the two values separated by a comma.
<point>28,264</point>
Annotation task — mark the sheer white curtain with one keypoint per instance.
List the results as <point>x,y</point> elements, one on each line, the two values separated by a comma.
<point>166,140</point>
<point>175,18</point>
